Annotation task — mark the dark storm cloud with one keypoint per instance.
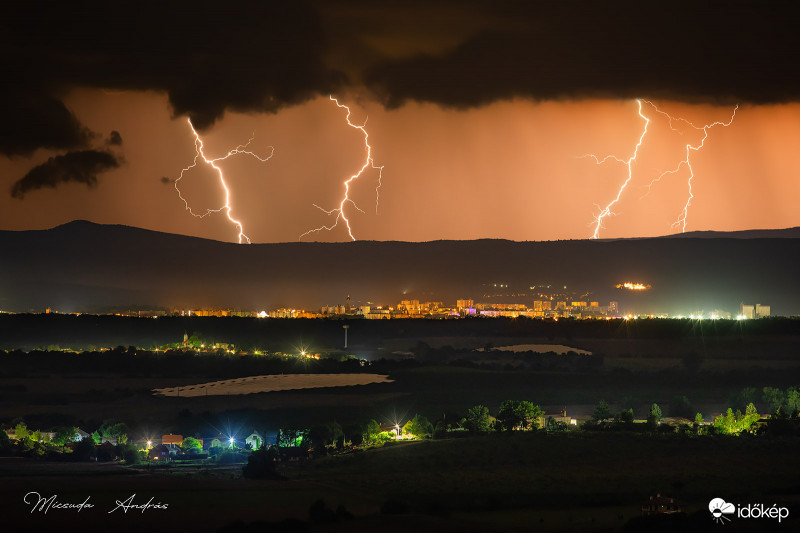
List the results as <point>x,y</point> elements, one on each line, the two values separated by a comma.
<point>30,121</point>
<point>210,56</point>
<point>76,167</point>
<point>114,138</point>
<point>717,52</point>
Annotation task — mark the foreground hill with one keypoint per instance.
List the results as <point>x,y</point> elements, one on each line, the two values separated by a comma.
<point>84,266</point>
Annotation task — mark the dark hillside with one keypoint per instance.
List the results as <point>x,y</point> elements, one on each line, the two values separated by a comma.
<point>84,266</point>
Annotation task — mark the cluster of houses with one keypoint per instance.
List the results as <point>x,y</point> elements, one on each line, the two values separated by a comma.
<point>47,436</point>
<point>171,446</point>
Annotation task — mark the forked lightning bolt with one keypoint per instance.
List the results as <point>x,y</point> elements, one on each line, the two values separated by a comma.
<point>341,216</point>
<point>606,211</point>
<point>681,221</point>
<point>686,161</point>
<point>200,154</point>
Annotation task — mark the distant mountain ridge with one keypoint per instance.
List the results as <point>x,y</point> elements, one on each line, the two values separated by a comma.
<point>82,265</point>
<point>782,233</point>
<point>786,233</point>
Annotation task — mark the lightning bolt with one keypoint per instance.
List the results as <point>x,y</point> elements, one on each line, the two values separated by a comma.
<point>200,154</point>
<point>606,211</point>
<point>687,161</point>
<point>341,216</point>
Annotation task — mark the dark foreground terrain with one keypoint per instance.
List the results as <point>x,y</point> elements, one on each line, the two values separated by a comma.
<point>523,481</point>
<point>527,482</point>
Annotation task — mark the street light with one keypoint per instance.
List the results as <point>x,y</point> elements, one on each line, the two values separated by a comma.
<point>231,440</point>
<point>345,327</point>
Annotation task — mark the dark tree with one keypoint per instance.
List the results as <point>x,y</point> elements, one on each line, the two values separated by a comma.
<point>371,431</point>
<point>64,435</point>
<point>602,411</point>
<point>625,417</point>
<point>261,464</point>
<point>84,450</point>
<point>418,426</point>
<point>518,415</point>
<point>775,398</point>
<point>5,442</point>
<point>478,420</point>
<point>681,406</point>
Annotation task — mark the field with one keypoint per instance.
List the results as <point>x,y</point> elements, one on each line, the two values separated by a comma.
<point>47,398</point>
<point>539,348</point>
<point>599,477</point>
<point>494,483</point>
<point>569,482</point>
<point>271,383</point>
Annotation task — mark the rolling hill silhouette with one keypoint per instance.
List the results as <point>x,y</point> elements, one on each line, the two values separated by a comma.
<point>82,266</point>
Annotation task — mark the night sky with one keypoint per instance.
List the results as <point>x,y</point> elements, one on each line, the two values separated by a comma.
<point>479,114</point>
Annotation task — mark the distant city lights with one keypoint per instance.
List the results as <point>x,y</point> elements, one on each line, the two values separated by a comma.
<point>541,304</point>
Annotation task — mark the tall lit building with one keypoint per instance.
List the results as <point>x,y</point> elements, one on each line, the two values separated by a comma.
<point>409,306</point>
<point>613,308</point>
<point>464,304</point>
<point>747,311</point>
<point>762,311</point>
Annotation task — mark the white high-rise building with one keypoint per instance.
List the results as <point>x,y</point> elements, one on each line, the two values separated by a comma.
<point>762,311</point>
<point>747,311</point>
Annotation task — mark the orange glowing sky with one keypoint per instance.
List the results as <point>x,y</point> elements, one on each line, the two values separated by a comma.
<point>508,170</point>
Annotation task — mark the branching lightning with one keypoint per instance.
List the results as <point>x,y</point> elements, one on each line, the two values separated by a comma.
<point>200,154</point>
<point>681,221</point>
<point>606,211</point>
<point>341,216</point>
<point>686,161</point>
